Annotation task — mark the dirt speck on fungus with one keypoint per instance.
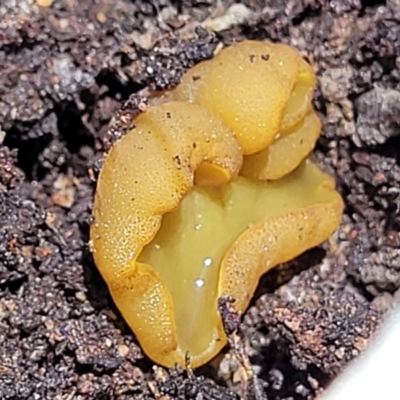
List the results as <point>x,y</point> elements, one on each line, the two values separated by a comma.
<point>67,68</point>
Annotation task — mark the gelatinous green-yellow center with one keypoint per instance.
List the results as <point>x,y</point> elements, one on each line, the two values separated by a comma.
<point>190,245</point>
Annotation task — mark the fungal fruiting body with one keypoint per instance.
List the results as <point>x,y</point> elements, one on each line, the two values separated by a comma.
<point>207,193</point>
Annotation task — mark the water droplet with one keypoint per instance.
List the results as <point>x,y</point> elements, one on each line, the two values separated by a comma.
<point>157,246</point>
<point>197,227</point>
<point>199,283</point>
<point>207,262</point>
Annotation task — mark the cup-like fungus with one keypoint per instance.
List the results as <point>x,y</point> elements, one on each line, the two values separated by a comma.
<point>176,226</point>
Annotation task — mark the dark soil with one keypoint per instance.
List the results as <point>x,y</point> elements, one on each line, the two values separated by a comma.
<point>65,72</point>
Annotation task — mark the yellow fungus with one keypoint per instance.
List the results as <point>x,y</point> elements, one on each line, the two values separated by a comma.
<point>176,226</point>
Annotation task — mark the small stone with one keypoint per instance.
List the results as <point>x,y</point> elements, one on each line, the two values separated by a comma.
<point>2,135</point>
<point>123,350</point>
<point>101,17</point>
<point>81,296</point>
<point>236,14</point>
<point>377,119</point>
<point>339,353</point>
<point>65,192</point>
<point>44,3</point>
